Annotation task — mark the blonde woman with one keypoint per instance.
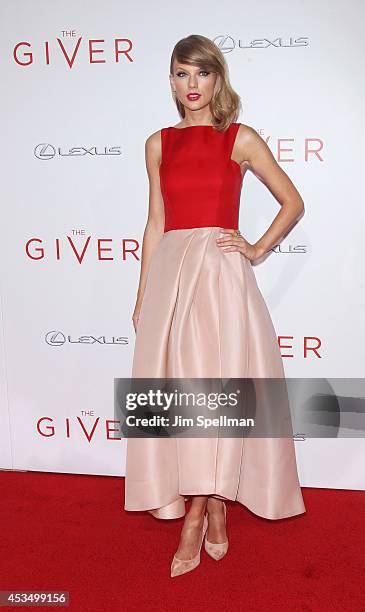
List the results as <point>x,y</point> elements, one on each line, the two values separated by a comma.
<point>199,312</point>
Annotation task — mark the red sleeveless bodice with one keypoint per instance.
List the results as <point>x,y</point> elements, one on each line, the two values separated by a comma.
<point>200,183</point>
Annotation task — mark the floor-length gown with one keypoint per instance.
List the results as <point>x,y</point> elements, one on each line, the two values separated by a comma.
<point>202,316</point>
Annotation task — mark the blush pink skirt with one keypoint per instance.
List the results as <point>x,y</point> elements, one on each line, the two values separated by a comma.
<point>203,316</point>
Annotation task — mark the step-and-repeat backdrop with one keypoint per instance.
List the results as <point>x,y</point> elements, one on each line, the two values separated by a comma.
<point>83,86</point>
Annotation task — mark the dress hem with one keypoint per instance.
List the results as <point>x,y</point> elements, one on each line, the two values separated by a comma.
<point>155,511</point>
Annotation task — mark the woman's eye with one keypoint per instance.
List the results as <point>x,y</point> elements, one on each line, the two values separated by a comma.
<point>180,73</point>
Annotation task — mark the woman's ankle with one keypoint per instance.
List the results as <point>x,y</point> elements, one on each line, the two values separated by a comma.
<point>194,518</point>
<point>215,506</point>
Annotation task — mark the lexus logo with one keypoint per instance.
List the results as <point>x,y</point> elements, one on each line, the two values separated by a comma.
<point>46,151</point>
<point>55,338</point>
<point>58,338</point>
<point>226,43</point>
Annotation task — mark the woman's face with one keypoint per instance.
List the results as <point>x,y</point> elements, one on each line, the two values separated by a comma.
<point>187,80</point>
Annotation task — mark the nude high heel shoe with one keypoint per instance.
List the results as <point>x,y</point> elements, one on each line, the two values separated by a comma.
<point>180,566</point>
<point>217,551</point>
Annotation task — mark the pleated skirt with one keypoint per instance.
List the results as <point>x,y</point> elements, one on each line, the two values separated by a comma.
<point>203,316</point>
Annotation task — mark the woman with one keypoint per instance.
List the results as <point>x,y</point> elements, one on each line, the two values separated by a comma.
<point>199,311</point>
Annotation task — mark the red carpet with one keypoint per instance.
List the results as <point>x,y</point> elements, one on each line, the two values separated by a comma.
<point>67,532</point>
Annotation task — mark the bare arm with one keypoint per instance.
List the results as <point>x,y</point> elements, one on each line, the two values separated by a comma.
<point>254,153</point>
<point>156,215</point>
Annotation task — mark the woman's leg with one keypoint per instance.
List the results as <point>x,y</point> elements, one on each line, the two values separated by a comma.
<point>192,529</point>
<point>216,533</point>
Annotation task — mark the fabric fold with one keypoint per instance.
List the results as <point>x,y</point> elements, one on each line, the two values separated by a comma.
<point>203,316</point>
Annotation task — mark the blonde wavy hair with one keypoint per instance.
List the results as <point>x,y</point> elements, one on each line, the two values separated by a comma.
<point>197,50</point>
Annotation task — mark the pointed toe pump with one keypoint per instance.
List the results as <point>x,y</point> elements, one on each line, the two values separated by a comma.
<point>180,566</point>
<point>217,551</point>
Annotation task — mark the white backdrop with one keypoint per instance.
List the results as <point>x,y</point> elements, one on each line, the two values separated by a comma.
<point>76,115</point>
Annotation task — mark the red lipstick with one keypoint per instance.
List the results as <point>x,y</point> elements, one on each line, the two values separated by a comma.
<point>194,96</point>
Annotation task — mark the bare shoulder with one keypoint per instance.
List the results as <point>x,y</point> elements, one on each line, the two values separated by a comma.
<point>153,142</point>
<point>153,147</point>
<point>248,136</point>
<point>249,143</point>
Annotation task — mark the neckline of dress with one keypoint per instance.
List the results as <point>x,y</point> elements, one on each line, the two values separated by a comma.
<point>172,127</point>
